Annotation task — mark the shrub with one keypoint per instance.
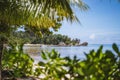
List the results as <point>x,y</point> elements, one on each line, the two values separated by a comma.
<point>97,65</point>
<point>16,62</point>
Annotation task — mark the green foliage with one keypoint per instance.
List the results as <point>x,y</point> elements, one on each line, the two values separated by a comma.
<point>55,39</point>
<point>24,36</point>
<point>37,14</point>
<point>52,68</point>
<point>97,65</point>
<point>116,49</point>
<point>17,61</point>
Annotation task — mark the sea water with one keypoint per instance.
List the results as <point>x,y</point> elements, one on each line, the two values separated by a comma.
<point>67,51</point>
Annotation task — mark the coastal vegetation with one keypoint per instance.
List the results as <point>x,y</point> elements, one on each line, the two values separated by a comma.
<point>38,17</point>
<point>56,39</point>
<point>48,39</point>
<point>97,65</point>
<point>59,40</point>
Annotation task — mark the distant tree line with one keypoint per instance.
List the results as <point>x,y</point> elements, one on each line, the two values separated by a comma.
<point>49,39</point>
<point>56,39</point>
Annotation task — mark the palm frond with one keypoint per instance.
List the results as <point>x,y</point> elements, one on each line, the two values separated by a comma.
<point>38,13</point>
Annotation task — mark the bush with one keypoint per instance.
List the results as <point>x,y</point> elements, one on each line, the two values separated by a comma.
<point>16,62</point>
<point>98,65</point>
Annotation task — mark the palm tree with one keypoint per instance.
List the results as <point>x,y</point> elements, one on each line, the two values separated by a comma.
<point>35,15</point>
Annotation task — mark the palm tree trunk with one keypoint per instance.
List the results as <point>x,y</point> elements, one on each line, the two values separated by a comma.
<point>1,52</point>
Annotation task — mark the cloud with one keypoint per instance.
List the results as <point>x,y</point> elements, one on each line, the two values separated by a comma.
<point>92,36</point>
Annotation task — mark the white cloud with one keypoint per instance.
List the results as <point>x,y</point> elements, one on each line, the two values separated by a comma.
<point>77,1</point>
<point>92,36</point>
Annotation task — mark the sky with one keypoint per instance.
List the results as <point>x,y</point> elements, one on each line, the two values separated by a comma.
<point>99,25</point>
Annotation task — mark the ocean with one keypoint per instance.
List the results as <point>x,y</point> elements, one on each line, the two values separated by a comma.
<point>79,51</point>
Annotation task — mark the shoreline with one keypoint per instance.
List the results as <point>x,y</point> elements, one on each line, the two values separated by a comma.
<point>45,45</point>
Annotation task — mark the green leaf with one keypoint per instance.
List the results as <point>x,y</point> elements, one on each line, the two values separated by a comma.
<point>54,54</point>
<point>110,55</point>
<point>43,55</point>
<point>41,63</point>
<point>99,51</point>
<point>115,48</point>
<point>80,71</point>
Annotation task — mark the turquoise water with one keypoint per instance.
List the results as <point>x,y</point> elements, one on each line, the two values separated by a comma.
<point>67,51</point>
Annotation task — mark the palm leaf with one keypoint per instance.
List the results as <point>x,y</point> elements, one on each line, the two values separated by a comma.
<point>38,13</point>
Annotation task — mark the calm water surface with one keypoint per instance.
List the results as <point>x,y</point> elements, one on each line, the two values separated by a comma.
<point>66,51</point>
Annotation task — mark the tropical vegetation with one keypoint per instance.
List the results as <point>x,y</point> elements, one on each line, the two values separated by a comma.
<point>38,16</point>
<point>47,39</point>
<point>98,65</point>
<point>56,39</point>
